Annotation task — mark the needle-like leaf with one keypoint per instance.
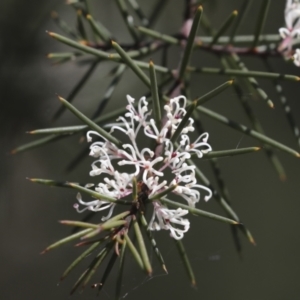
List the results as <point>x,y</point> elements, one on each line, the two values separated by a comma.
<point>90,123</point>
<point>230,152</point>
<point>128,19</point>
<point>142,246</point>
<point>79,259</point>
<point>131,64</point>
<point>186,261</point>
<point>224,27</point>
<point>243,73</point>
<point>99,29</point>
<point>198,212</point>
<point>155,96</point>
<point>134,251</point>
<point>190,43</point>
<point>247,131</point>
<point>261,21</point>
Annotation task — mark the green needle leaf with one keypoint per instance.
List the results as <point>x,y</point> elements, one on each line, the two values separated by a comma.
<point>142,246</point>
<point>243,73</point>
<point>190,43</point>
<point>99,29</point>
<point>93,193</point>
<point>157,35</point>
<point>261,20</point>
<point>79,188</point>
<point>241,39</point>
<point>59,130</point>
<point>221,201</point>
<point>80,25</point>
<point>224,27</point>
<point>240,18</point>
<point>79,281</point>
<point>90,123</point>
<point>231,152</point>
<point>67,239</point>
<point>157,68</point>
<point>119,216</point>
<point>49,182</point>
<point>79,224</point>
<point>96,263</point>
<point>155,96</point>
<point>153,242</point>
<point>74,129</point>
<point>79,46</point>
<point>285,105</point>
<point>63,56</point>
<point>103,227</point>
<point>112,224</point>
<point>252,81</point>
<point>214,92</point>
<point>107,271</point>
<point>198,212</point>
<point>134,251</point>
<point>128,19</point>
<point>195,103</point>
<point>247,131</point>
<point>186,261</point>
<point>37,143</point>
<point>258,127</point>
<point>131,64</point>
<point>219,179</point>
<point>120,272</point>
<point>79,259</point>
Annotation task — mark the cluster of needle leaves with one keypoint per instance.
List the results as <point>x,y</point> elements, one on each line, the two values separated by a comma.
<point>90,42</point>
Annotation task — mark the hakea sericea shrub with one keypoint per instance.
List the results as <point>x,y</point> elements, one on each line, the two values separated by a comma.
<point>149,155</point>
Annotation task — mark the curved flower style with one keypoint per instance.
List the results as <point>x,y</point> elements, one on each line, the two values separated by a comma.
<point>167,216</point>
<point>149,166</point>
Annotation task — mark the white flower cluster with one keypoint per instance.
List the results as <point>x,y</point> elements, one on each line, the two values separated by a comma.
<point>150,167</point>
<point>291,32</point>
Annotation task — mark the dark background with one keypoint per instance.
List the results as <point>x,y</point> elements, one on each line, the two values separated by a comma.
<point>29,213</point>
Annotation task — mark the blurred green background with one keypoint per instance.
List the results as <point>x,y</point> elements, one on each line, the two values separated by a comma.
<point>29,213</point>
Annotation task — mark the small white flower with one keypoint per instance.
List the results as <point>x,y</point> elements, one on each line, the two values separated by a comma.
<point>95,205</point>
<point>139,115</point>
<point>188,174</point>
<point>166,217</point>
<point>152,131</point>
<point>120,185</point>
<point>292,30</point>
<point>149,167</point>
<point>175,112</point>
<point>105,166</point>
<point>201,141</point>
<point>154,185</point>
